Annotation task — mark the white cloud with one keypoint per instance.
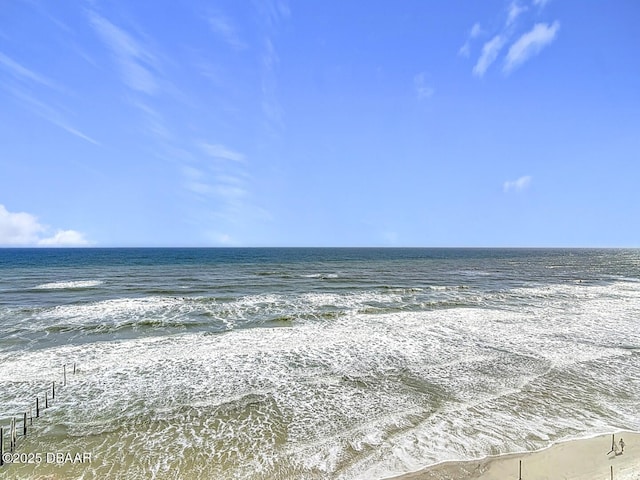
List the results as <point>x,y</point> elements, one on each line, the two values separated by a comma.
<point>200,188</point>
<point>25,229</point>
<point>229,193</point>
<point>515,10</point>
<point>20,91</point>
<point>522,49</point>
<point>221,238</point>
<point>465,50</point>
<point>135,61</point>
<point>221,152</point>
<point>64,237</point>
<point>221,181</point>
<point>155,124</point>
<point>18,228</point>
<point>273,11</point>
<point>423,89</point>
<point>517,185</point>
<point>192,172</point>
<point>224,183</point>
<point>271,108</point>
<point>475,32</point>
<point>225,29</point>
<point>50,114</point>
<point>489,54</point>
<point>73,131</point>
<point>22,72</point>
<point>530,44</point>
<point>196,181</point>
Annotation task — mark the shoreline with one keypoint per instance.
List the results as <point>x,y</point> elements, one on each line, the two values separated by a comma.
<point>574,459</point>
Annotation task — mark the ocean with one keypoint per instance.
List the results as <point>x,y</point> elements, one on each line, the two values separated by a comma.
<point>309,363</point>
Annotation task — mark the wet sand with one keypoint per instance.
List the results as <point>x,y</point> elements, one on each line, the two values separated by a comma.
<point>584,459</point>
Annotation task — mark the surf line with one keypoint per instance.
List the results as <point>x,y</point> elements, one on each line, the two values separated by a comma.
<point>13,423</point>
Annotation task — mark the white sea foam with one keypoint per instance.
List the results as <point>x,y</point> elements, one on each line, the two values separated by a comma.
<point>156,311</point>
<point>69,285</point>
<point>357,396</point>
<point>321,275</point>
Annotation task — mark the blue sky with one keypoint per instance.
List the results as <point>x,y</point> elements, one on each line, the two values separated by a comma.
<point>276,123</point>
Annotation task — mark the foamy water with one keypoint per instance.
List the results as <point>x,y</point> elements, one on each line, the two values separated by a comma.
<point>70,285</point>
<point>394,364</point>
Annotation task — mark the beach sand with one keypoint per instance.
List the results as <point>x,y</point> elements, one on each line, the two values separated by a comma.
<point>585,459</point>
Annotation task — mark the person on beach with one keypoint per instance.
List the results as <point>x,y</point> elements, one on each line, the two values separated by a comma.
<point>621,446</point>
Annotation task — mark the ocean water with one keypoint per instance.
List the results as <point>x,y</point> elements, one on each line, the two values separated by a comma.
<point>311,363</point>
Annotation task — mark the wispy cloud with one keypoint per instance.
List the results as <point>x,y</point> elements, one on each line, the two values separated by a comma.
<point>218,151</point>
<point>195,181</point>
<point>271,107</point>
<point>226,179</point>
<point>73,131</point>
<point>136,62</point>
<point>50,114</point>
<point>273,11</point>
<point>271,14</point>
<point>515,10</point>
<point>529,44</point>
<point>476,31</point>
<point>230,193</point>
<point>489,54</point>
<point>423,89</point>
<point>25,229</point>
<point>154,122</point>
<point>20,71</point>
<point>222,183</point>
<point>517,185</point>
<point>225,29</point>
<point>27,81</point>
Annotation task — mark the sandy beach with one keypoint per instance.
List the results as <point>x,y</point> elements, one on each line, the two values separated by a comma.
<point>584,459</point>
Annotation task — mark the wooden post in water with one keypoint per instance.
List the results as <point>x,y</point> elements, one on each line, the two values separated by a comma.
<point>1,446</point>
<point>30,415</point>
<point>37,408</point>
<point>74,368</point>
<point>64,374</point>
<point>46,399</point>
<point>53,390</point>
<point>12,430</point>
<point>24,425</point>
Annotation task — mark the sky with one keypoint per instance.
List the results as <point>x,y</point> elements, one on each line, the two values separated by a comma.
<point>320,123</point>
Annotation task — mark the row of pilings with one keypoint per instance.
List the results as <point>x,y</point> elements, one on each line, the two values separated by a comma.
<point>22,423</point>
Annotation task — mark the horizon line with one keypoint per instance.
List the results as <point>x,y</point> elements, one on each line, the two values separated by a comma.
<point>467,247</point>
